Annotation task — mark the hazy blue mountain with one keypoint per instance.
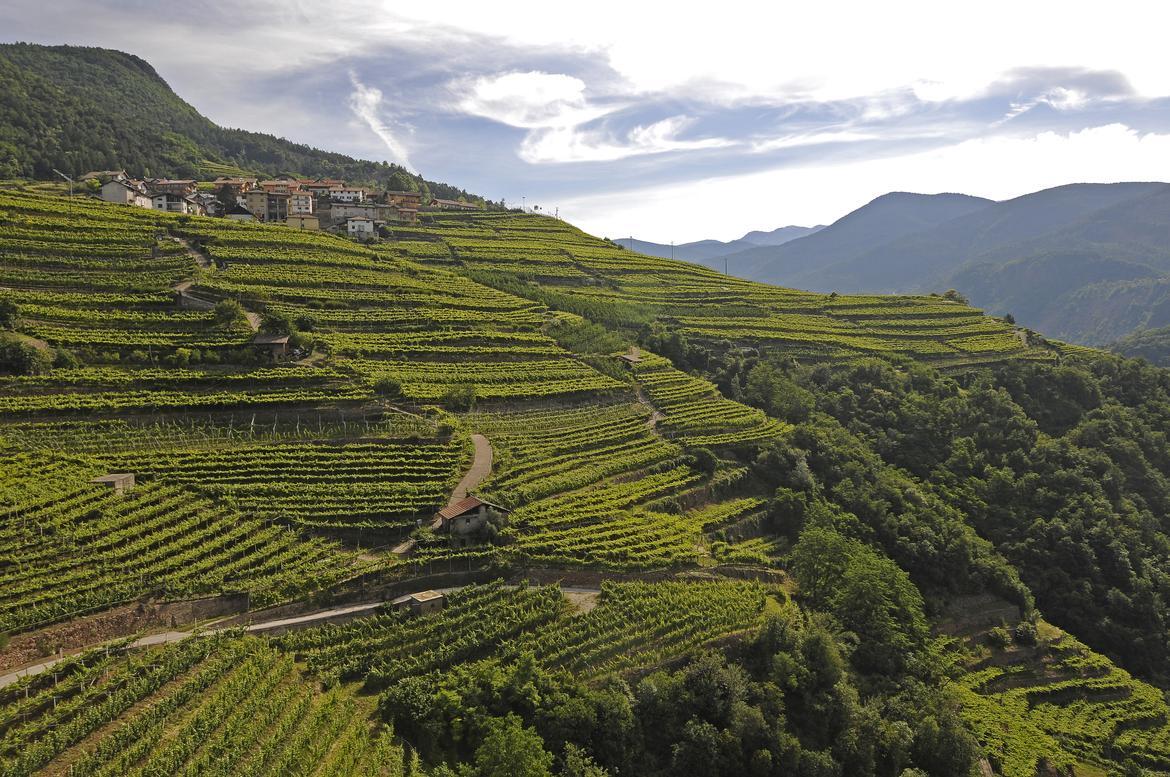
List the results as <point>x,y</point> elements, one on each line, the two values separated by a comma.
<point>885,219</point>
<point>1087,263</point>
<point>710,252</point>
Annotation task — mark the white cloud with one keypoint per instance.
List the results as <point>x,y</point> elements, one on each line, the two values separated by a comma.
<point>571,144</point>
<point>836,50</point>
<point>996,167</point>
<point>366,103</point>
<point>553,108</point>
<point>532,100</point>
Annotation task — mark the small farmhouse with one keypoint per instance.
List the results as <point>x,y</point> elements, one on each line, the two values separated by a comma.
<point>420,603</point>
<point>176,203</point>
<point>120,482</point>
<point>632,356</point>
<point>466,516</point>
<point>105,176</point>
<point>276,345</point>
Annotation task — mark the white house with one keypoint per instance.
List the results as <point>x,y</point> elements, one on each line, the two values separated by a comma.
<point>176,203</point>
<point>348,194</point>
<point>361,227</point>
<point>125,193</point>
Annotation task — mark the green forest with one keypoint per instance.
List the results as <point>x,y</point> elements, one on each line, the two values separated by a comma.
<point>79,109</point>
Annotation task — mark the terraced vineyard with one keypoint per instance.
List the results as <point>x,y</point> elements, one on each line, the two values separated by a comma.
<point>635,625</point>
<point>68,547</point>
<point>226,705</point>
<point>290,478</point>
<point>1064,704</point>
<point>596,278</point>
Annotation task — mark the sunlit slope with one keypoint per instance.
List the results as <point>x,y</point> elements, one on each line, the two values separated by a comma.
<point>553,262</point>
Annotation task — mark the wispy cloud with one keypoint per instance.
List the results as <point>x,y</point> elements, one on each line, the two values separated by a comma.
<point>366,104</point>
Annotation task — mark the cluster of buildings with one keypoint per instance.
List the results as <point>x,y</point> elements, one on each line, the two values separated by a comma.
<point>322,203</point>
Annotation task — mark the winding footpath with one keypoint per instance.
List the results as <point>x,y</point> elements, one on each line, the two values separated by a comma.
<point>481,467</point>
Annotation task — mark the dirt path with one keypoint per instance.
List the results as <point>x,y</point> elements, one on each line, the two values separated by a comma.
<point>656,415</point>
<point>481,467</point>
<point>201,259</point>
<point>583,599</point>
<point>253,320</point>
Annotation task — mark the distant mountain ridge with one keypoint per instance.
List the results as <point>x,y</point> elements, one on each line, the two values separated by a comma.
<point>1088,263</point>
<point>711,252</point>
<point>78,109</point>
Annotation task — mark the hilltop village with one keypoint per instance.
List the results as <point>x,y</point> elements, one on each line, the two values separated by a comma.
<point>315,204</point>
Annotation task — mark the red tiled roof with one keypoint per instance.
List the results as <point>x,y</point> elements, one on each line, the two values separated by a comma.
<point>461,507</point>
<point>465,505</point>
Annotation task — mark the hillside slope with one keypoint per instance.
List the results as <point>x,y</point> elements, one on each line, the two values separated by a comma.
<point>80,109</point>
<point>766,509</point>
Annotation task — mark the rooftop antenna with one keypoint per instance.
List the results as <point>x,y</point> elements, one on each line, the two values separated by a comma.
<point>70,180</point>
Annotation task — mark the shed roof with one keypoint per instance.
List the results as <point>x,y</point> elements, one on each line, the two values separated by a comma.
<point>418,596</point>
<point>464,505</point>
<point>266,338</point>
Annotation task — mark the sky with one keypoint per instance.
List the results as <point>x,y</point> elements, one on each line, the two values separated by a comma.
<point>670,124</point>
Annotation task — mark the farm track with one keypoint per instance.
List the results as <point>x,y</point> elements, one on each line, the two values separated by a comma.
<point>278,624</point>
<point>480,469</point>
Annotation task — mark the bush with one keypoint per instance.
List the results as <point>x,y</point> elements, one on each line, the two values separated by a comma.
<point>705,460</point>
<point>229,313</point>
<point>8,314</point>
<point>1025,633</point>
<point>459,397</point>
<point>306,323</point>
<point>18,357</point>
<point>387,387</point>
<point>65,359</point>
<point>999,638</point>
<point>277,324</point>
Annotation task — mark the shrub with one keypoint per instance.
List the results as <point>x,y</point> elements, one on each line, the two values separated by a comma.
<point>387,387</point>
<point>1025,633</point>
<point>18,357</point>
<point>65,359</point>
<point>459,397</point>
<point>277,324</point>
<point>8,314</point>
<point>229,313</point>
<point>999,638</point>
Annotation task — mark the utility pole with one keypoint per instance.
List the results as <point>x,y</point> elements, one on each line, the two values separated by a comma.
<point>725,265</point>
<point>524,204</point>
<point>672,250</point>
<point>70,180</point>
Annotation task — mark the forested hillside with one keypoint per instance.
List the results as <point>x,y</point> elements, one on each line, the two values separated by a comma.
<point>799,533</point>
<point>80,109</point>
